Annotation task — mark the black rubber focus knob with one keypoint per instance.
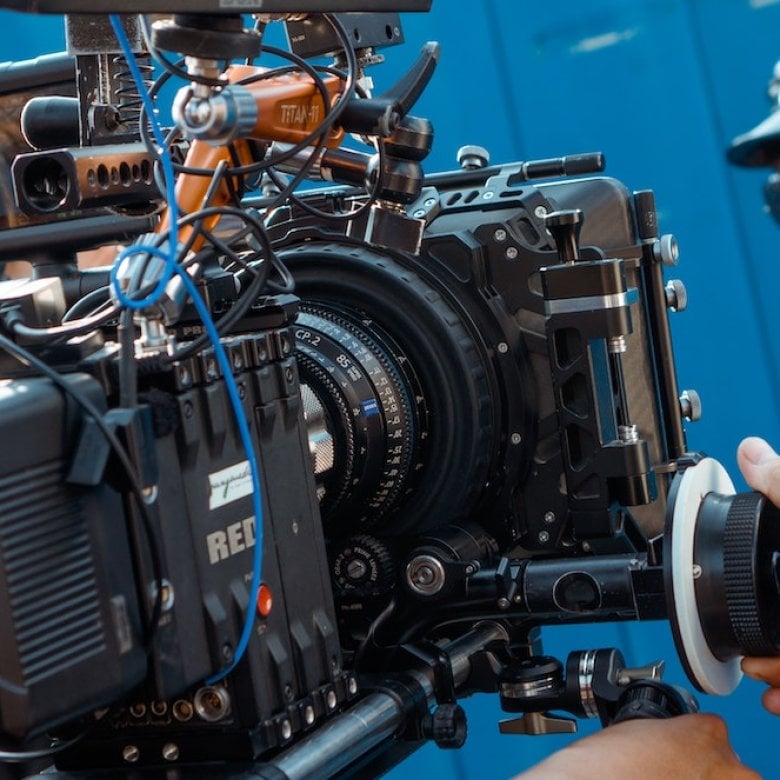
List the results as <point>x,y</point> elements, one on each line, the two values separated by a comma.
<point>737,550</point>
<point>742,582</point>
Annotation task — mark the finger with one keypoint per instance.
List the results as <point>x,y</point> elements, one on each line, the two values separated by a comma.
<point>760,465</point>
<point>771,700</point>
<point>764,669</point>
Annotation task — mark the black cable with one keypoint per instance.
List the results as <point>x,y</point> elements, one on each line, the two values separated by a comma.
<point>128,389</point>
<point>248,297</point>
<point>373,196</point>
<point>170,67</point>
<point>380,150</point>
<point>370,637</point>
<point>260,165</point>
<point>217,243</point>
<point>245,215</point>
<point>376,184</point>
<point>73,328</point>
<point>211,192</point>
<point>14,756</point>
<point>286,283</point>
<point>252,257</point>
<point>87,304</point>
<point>27,358</point>
<point>332,112</point>
<point>238,310</point>
<point>235,184</point>
<point>350,86</point>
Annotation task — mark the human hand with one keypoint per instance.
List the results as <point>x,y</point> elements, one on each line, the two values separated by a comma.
<point>760,465</point>
<point>695,747</point>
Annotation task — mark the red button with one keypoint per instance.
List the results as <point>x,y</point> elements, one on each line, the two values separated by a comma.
<point>265,600</point>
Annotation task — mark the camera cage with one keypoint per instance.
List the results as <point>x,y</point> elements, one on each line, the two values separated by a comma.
<point>535,315</point>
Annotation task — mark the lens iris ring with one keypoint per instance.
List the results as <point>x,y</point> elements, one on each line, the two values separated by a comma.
<point>358,457</point>
<point>392,395</point>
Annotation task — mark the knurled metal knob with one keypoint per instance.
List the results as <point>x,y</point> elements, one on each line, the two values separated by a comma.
<point>446,726</point>
<point>364,565</point>
<point>676,295</point>
<point>667,250</point>
<point>473,157</point>
<point>690,405</point>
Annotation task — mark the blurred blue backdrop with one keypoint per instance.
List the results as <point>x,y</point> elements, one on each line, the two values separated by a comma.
<point>661,86</point>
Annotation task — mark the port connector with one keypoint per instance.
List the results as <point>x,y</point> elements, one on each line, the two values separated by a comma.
<point>212,703</point>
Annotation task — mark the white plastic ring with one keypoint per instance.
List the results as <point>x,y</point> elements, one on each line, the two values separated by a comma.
<point>710,673</point>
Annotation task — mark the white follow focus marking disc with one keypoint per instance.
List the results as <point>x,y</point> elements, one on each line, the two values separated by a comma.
<point>711,674</point>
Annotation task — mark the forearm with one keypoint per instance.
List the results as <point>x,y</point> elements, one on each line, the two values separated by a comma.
<point>691,746</point>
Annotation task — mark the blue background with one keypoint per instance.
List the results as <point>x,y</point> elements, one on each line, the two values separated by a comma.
<point>661,86</point>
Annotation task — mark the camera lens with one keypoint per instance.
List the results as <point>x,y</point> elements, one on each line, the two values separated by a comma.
<point>406,386</point>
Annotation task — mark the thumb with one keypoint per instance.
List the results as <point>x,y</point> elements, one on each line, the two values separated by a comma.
<point>760,465</point>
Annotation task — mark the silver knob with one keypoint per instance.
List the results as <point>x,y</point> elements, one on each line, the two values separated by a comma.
<point>690,405</point>
<point>667,250</point>
<point>473,157</point>
<point>676,295</point>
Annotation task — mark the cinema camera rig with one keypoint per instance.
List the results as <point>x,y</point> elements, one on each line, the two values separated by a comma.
<point>284,544</point>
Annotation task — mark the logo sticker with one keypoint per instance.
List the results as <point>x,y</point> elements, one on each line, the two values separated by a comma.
<point>230,484</point>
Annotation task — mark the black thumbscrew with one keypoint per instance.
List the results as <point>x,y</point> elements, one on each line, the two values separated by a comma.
<point>565,228</point>
<point>446,726</point>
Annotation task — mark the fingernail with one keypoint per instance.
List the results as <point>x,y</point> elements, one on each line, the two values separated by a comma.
<point>756,450</point>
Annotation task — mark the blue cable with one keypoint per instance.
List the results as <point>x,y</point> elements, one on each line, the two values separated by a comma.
<point>246,440</point>
<point>168,176</point>
<point>171,268</point>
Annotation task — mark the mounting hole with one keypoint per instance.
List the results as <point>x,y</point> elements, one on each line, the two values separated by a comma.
<point>125,176</point>
<point>45,184</point>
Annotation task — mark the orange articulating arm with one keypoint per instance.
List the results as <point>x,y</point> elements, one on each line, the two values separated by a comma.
<point>290,108</point>
<point>191,189</point>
